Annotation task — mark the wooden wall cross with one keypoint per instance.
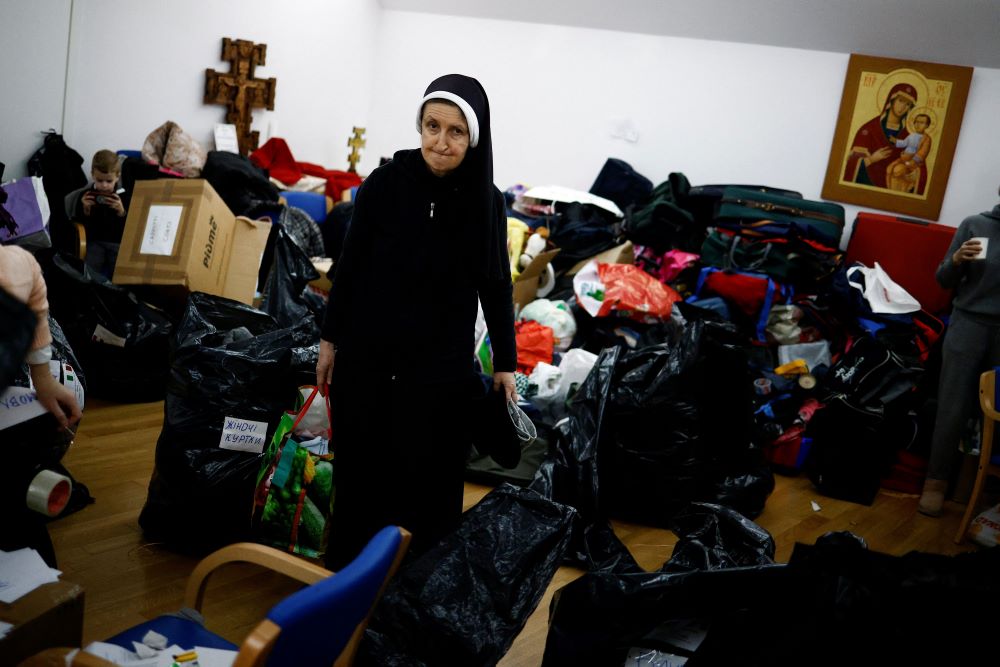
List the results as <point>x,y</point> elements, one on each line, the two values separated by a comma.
<point>356,143</point>
<point>239,90</point>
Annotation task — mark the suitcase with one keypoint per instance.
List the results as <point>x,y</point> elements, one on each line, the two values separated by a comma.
<point>909,250</point>
<point>767,214</point>
<point>703,200</point>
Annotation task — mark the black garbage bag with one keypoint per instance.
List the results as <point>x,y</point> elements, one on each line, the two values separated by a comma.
<point>834,603</point>
<point>679,421</point>
<point>17,330</point>
<point>123,342</point>
<point>713,537</point>
<point>286,295</point>
<point>598,618</point>
<point>570,475</point>
<point>233,369</point>
<point>464,601</point>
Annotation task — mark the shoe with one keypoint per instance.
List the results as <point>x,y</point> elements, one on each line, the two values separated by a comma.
<point>932,499</point>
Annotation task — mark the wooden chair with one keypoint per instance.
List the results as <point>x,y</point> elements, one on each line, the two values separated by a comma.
<point>319,625</point>
<point>988,465</point>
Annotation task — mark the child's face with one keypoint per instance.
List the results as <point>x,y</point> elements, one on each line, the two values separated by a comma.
<point>920,124</point>
<point>103,181</point>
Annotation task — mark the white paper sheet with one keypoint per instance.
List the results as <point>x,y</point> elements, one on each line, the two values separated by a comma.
<point>207,657</point>
<point>243,435</point>
<point>21,572</point>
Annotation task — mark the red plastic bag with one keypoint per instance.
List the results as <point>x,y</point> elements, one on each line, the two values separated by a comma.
<point>632,292</point>
<point>535,343</point>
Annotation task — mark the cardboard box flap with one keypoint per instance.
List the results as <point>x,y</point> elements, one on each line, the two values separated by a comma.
<point>622,254</point>
<point>245,252</point>
<point>526,285</point>
<point>537,266</point>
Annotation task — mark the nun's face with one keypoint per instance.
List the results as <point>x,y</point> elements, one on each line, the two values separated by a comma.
<point>444,137</point>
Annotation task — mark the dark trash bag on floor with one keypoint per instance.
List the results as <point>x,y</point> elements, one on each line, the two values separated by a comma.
<point>835,603</point>
<point>464,601</point>
<point>286,295</point>
<point>713,537</point>
<point>595,619</point>
<point>122,342</point>
<point>230,362</point>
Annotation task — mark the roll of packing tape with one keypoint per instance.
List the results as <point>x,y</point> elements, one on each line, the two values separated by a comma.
<point>548,281</point>
<point>762,386</point>
<point>807,381</point>
<point>48,493</point>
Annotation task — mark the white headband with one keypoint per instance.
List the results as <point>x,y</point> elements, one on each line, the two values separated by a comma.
<point>470,115</point>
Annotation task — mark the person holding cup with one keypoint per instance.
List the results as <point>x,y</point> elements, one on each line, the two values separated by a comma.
<point>972,345</point>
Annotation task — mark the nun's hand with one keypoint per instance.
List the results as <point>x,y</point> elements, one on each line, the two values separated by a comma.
<point>505,380</point>
<point>324,365</point>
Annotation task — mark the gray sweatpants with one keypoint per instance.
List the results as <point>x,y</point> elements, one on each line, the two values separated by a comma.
<point>970,348</point>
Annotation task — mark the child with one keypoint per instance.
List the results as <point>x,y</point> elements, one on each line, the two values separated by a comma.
<point>102,212</point>
<point>916,146</point>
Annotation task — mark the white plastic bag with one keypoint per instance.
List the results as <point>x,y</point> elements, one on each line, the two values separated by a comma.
<point>985,528</point>
<point>883,294</point>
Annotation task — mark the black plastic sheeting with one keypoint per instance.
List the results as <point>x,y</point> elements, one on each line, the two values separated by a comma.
<point>655,428</point>
<point>123,343</point>
<point>230,361</point>
<point>464,601</point>
<point>834,603</point>
<point>597,618</point>
<point>286,295</point>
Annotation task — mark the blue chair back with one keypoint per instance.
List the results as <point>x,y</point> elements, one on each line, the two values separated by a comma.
<point>313,203</point>
<point>318,621</point>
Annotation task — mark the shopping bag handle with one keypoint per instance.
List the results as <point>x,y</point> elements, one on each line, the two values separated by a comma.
<point>312,395</point>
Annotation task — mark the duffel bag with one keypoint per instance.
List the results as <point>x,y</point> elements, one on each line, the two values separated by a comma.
<point>752,294</point>
<point>791,260</point>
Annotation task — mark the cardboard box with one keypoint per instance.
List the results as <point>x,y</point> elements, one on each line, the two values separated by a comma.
<point>322,284</point>
<point>622,254</point>
<point>181,233</point>
<point>47,617</point>
<point>526,285</point>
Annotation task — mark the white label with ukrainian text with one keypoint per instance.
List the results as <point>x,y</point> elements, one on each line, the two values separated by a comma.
<point>243,435</point>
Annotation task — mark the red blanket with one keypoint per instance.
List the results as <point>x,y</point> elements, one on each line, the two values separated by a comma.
<point>276,157</point>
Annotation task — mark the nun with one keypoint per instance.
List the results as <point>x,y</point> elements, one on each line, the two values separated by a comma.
<point>427,240</point>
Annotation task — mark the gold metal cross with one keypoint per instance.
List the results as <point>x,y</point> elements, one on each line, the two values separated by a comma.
<point>356,142</point>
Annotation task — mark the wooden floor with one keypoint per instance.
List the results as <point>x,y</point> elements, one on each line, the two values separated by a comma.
<point>128,580</point>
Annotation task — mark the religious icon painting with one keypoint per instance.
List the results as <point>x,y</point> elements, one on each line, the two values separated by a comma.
<point>896,134</point>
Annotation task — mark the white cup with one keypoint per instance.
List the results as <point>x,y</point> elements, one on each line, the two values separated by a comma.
<point>984,242</point>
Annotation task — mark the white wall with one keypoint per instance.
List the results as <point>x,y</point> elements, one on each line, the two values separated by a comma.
<point>35,38</point>
<point>137,63</point>
<point>718,112</point>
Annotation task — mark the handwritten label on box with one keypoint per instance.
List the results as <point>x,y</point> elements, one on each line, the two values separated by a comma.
<point>243,435</point>
<point>162,225</point>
